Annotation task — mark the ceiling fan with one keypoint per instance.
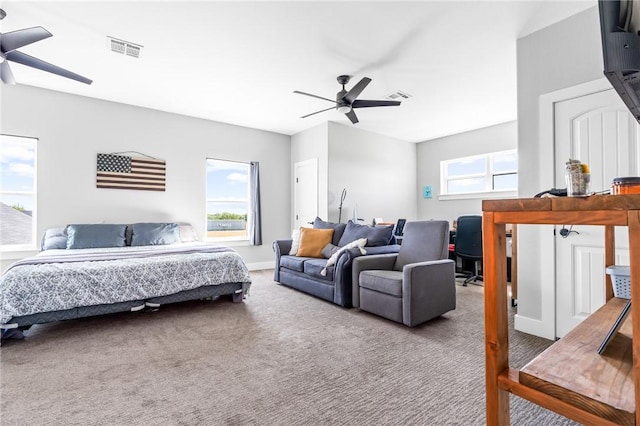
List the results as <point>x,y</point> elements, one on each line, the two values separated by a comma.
<point>346,100</point>
<point>13,40</point>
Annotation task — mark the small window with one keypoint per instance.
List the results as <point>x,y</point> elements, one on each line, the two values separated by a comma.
<point>17,192</point>
<point>227,200</point>
<point>480,174</point>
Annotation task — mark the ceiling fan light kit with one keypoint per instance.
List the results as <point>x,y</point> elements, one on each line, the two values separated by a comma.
<point>13,40</point>
<point>346,101</point>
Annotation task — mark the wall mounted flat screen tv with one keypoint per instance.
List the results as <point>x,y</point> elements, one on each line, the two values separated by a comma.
<point>619,26</point>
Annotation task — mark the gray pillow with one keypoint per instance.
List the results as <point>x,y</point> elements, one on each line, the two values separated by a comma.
<point>375,235</point>
<point>152,234</point>
<point>54,238</point>
<point>338,229</point>
<point>95,236</point>
<point>328,250</point>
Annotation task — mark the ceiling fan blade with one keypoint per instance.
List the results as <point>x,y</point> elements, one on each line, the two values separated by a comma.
<point>16,39</point>
<point>318,112</point>
<point>30,61</point>
<point>5,74</point>
<point>352,94</point>
<point>361,103</point>
<point>352,116</point>
<point>314,96</point>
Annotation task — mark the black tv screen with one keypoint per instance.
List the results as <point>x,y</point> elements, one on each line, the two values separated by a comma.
<point>619,26</point>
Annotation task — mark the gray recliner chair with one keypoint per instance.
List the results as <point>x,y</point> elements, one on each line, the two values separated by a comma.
<point>412,286</point>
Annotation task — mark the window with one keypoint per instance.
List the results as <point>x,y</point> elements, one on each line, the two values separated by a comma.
<point>479,175</point>
<point>17,192</point>
<point>227,200</point>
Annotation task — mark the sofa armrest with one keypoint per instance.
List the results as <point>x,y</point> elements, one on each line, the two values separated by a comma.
<point>342,280</point>
<point>428,289</point>
<point>363,263</point>
<point>281,248</point>
<point>392,248</point>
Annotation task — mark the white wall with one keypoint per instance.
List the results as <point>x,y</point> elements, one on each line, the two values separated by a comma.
<point>379,173</point>
<point>501,137</point>
<point>73,129</point>
<point>559,56</point>
<point>312,143</point>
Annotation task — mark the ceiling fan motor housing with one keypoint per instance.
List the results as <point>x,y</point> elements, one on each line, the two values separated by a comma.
<point>339,100</point>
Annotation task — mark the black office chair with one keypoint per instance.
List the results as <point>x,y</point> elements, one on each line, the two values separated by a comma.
<point>399,230</point>
<point>469,245</point>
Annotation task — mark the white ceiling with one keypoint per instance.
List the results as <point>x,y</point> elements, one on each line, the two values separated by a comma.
<point>239,62</point>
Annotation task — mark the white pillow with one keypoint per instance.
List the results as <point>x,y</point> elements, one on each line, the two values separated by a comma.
<point>187,234</point>
<point>334,257</point>
<point>295,242</point>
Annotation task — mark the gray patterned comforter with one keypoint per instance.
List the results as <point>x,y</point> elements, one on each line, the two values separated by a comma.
<point>63,279</point>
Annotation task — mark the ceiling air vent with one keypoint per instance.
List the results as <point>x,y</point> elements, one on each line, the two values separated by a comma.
<point>124,47</point>
<point>398,96</point>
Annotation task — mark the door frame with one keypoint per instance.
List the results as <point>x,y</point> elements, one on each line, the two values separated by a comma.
<point>546,326</point>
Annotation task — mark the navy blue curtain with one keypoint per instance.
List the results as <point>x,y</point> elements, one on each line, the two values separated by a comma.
<point>255,226</point>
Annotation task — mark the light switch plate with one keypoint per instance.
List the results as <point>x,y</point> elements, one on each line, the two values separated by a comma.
<point>426,191</point>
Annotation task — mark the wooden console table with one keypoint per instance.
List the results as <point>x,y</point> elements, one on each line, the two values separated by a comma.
<point>569,378</point>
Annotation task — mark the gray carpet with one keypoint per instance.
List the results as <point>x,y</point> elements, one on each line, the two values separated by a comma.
<point>280,358</point>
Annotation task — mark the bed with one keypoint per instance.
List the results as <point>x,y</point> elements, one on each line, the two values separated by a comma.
<point>86,270</point>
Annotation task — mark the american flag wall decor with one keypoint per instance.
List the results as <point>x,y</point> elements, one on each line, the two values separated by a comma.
<point>124,172</point>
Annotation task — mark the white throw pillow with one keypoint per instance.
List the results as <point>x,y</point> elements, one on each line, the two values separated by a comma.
<point>295,242</point>
<point>334,257</point>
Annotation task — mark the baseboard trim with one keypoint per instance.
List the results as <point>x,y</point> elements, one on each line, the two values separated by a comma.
<point>257,266</point>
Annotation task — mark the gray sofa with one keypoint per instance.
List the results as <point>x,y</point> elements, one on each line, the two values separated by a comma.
<point>306,273</point>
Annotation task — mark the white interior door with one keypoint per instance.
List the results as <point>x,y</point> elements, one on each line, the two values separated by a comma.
<point>598,130</point>
<point>305,192</point>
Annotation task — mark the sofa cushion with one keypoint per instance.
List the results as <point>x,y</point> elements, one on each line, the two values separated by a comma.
<point>314,267</point>
<point>294,263</point>
<point>387,282</point>
<point>338,229</point>
<point>375,235</point>
<point>312,241</point>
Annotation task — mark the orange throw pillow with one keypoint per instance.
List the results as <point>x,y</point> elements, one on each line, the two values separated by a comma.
<point>312,241</point>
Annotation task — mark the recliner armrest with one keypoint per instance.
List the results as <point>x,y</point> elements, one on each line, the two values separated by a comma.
<point>428,289</point>
<point>435,270</point>
<point>426,264</point>
<point>368,262</point>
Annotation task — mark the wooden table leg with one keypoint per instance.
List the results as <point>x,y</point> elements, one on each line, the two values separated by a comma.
<point>609,257</point>
<point>496,324</point>
<point>634,257</point>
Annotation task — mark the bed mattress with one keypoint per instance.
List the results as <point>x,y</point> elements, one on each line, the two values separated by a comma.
<point>55,282</point>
